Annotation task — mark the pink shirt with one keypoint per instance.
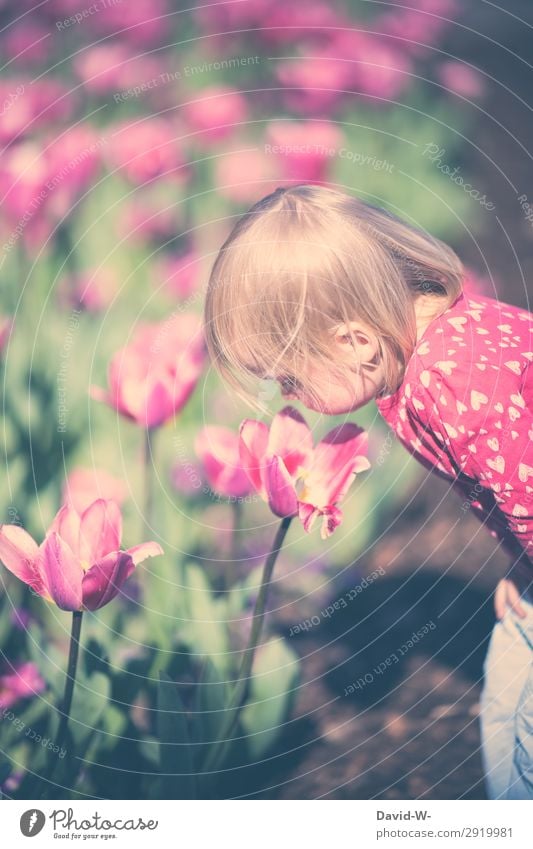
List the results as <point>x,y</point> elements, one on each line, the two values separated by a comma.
<point>465,410</point>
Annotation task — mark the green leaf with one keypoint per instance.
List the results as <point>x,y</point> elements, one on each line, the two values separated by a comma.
<point>274,681</point>
<point>211,699</point>
<point>175,754</point>
<point>204,630</point>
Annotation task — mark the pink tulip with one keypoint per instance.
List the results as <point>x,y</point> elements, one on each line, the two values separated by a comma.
<point>23,682</point>
<point>314,84</point>
<point>296,478</point>
<point>179,274</point>
<point>112,68</point>
<point>245,176</point>
<point>218,17</point>
<point>305,148</point>
<point>142,24</point>
<point>152,378</point>
<point>382,71</point>
<point>80,564</point>
<point>5,329</point>
<point>215,113</point>
<point>74,159</point>
<point>27,43</point>
<point>90,291</point>
<point>83,486</point>
<point>144,220</point>
<point>218,449</point>
<point>460,79</point>
<point>186,477</point>
<point>146,150</point>
<point>286,23</point>
<point>25,196</point>
<point>419,27</point>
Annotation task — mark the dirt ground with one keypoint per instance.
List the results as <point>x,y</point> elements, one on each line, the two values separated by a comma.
<point>412,731</point>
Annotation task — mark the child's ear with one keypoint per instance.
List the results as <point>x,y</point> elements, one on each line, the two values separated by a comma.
<point>355,335</point>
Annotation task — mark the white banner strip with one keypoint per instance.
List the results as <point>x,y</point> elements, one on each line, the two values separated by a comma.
<point>256,824</point>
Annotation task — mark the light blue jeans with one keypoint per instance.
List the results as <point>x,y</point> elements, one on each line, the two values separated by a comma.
<point>507,707</point>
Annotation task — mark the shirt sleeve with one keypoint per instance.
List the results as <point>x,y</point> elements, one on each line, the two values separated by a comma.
<point>481,421</point>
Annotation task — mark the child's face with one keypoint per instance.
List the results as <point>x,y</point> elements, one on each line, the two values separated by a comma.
<point>333,398</point>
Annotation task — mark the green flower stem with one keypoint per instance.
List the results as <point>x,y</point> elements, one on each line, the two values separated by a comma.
<point>71,676</point>
<point>233,710</point>
<point>66,703</point>
<point>148,461</point>
<point>235,530</point>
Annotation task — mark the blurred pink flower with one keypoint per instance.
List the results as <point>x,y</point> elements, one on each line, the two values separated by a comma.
<point>27,106</point>
<point>79,564</point>
<point>40,183</point>
<point>215,113</point>
<point>217,17</point>
<point>83,486</point>
<point>5,329</point>
<point>27,43</point>
<point>146,221</point>
<point>143,23</point>
<point>74,159</point>
<point>290,22</point>
<point>244,176</point>
<point>146,150</point>
<point>187,477</point>
<point>375,65</point>
<point>51,100</point>
<point>113,68</point>
<point>296,478</point>
<point>461,79</point>
<point>305,148</point>
<point>314,85</point>
<point>24,682</point>
<point>25,195</point>
<point>179,273</point>
<point>418,28</point>
<point>92,291</point>
<point>381,71</point>
<point>218,449</point>
<point>152,378</point>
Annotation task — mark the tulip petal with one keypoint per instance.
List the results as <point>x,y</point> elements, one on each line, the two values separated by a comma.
<point>67,524</point>
<point>158,407</point>
<point>138,553</point>
<point>331,519</point>
<point>291,439</point>
<point>218,449</point>
<point>282,498</point>
<point>61,571</point>
<point>336,459</point>
<point>100,530</point>
<point>104,580</point>
<point>19,553</point>
<point>307,515</point>
<point>253,442</point>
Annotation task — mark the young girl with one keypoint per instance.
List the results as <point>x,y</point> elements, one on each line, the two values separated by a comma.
<point>344,303</point>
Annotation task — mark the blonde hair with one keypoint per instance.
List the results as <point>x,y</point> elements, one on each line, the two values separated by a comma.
<point>307,258</point>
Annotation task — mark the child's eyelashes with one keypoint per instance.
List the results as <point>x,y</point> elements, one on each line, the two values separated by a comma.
<point>289,385</point>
